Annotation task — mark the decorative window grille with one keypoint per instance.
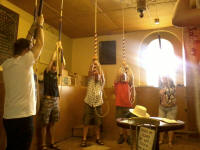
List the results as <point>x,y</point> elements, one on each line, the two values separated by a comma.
<point>8,32</point>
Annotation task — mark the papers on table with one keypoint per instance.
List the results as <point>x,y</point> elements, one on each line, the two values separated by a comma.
<point>165,120</point>
<point>169,120</point>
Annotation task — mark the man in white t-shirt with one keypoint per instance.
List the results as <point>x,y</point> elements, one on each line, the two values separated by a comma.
<point>20,100</point>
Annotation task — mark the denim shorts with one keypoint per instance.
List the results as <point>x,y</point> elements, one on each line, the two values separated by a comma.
<point>49,111</point>
<point>168,112</point>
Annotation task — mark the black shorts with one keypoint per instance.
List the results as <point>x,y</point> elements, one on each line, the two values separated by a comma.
<point>123,112</point>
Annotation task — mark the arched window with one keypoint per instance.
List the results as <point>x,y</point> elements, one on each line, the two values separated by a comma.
<point>158,59</point>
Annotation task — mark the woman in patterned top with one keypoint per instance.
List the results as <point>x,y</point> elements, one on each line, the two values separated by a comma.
<point>167,108</point>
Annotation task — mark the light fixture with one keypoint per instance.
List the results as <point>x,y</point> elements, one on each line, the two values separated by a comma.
<point>141,7</point>
<point>156,20</point>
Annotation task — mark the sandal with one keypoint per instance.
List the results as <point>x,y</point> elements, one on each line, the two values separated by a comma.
<point>54,146</point>
<point>99,142</point>
<point>83,143</point>
<point>44,147</point>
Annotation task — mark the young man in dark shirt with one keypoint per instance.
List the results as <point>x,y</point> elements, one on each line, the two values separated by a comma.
<point>49,106</point>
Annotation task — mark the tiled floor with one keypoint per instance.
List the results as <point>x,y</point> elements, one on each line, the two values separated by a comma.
<point>181,143</point>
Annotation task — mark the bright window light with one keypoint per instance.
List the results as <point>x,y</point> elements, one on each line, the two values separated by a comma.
<point>158,61</point>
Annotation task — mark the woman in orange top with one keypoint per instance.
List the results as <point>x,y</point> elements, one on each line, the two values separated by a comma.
<point>125,96</point>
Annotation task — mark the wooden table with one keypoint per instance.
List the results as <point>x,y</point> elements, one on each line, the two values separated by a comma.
<point>128,124</point>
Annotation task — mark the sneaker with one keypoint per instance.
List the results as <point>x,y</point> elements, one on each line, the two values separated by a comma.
<point>129,141</point>
<point>121,139</point>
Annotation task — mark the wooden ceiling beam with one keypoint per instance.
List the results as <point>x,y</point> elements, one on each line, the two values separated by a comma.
<point>101,11</point>
<point>78,15</point>
<point>134,5</point>
<point>58,14</point>
<point>108,17</point>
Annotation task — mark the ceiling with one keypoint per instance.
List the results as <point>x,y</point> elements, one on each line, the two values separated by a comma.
<point>78,15</point>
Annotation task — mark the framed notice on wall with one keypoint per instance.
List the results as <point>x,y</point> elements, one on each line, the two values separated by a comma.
<point>107,52</point>
<point>8,32</point>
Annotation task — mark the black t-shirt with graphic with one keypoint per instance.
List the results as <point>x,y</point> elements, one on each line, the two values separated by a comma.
<point>51,84</point>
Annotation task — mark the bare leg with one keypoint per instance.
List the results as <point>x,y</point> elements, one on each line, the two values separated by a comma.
<point>122,133</point>
<point>98,140</point>
<point>97,132</point>
<point>170,135</point>
<point>161,137</point>
<point>129,135</point>
<point>51,131</point>
<point>125,132</point>
<point>85,131</point>
<point>43,134</point>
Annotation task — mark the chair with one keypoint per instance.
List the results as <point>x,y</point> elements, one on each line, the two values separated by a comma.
<point>148,128</point>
